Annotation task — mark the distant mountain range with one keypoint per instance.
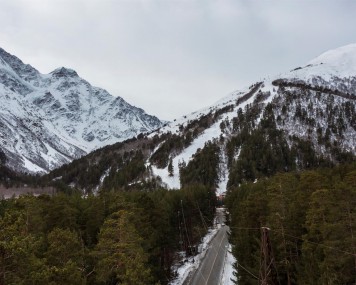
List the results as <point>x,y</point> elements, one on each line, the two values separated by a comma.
<point>47,120</point>
<point>300,119</point>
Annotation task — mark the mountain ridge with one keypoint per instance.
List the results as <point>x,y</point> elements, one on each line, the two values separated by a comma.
<point>63,115</point>
<point>282,123</point>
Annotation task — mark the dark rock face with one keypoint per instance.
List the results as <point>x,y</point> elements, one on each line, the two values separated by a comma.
<point>64,73</point>
<point>24,71</point>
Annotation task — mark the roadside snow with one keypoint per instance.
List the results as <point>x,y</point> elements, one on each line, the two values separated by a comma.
<point>227,275</point>
<point>187,265</point>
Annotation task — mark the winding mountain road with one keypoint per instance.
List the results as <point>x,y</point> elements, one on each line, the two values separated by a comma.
<point>210,269</point>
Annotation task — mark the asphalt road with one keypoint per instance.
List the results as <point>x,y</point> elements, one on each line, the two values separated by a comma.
<point>210,269</point>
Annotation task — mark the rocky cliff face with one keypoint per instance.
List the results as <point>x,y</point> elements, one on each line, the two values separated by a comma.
<point>47,120</point>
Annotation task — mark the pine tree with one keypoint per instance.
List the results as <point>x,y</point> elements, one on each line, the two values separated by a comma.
<point>3,158</point>
<point>121,258</point>
<point>65,257</point>
<point>281,219</point>
<point>170,167</point>
<point>19,261</point>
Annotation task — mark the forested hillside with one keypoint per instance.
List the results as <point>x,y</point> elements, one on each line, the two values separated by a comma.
<point>111,238</point>
<point>311,220</point>
<point>297,129</point>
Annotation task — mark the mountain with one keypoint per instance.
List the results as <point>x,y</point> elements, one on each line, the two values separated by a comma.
<point>301,119</point>
<point>47,120</point>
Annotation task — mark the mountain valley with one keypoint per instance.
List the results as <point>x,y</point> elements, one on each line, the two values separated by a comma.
<point>123,198</point>
<point>302,119</point>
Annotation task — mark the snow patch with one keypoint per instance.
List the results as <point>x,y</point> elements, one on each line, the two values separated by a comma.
<point>213,132</point>
<point>228,277</point>
<point>192,263</point>
<point>32,167</point>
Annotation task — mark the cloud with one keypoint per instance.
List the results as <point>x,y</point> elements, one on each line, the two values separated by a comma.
<point>173,57</point>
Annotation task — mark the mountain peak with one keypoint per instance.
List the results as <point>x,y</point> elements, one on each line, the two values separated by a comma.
<point>339,56</point>
<point>335,63</point>
<point>25,71</point>
<point>51,119</point>
<point>4,52</point>
<point>64,72</point>
<point>14,61</point>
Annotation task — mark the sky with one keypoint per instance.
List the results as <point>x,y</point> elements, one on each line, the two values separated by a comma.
<point>173,57</point>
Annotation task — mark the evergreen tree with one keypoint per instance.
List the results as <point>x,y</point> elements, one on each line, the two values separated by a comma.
<point>312,223</point>
<point>65,257</point>
<point>121,258</point>
<point>170,167</point>
<point>3,158</point>
<point>19,252</point>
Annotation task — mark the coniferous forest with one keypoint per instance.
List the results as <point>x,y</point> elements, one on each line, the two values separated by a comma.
<point>311,222</point>
<point>111,238</point>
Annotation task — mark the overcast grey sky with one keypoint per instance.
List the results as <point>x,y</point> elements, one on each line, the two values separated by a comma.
<point>174,57</point>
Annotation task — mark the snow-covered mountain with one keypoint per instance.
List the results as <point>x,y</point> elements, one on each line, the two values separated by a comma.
<point>299,119</point>
<point>47,120</point>
<point>309,102</point>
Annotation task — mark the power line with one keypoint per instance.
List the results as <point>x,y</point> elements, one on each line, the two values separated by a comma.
<point>180,231</point>
<point>249,272</point>
<point>202,217</point>
<point>316,243</point>
<point>185,224</point>
<point>299,238</point>
<point>239,228</point>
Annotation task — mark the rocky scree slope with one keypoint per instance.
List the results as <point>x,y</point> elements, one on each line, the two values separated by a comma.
<point>47,120</point>
<point>301,119</point>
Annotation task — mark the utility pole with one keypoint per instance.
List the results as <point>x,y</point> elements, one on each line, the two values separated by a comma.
<point>188,244</point>
<point>180,231</point>
<point>267,276</point>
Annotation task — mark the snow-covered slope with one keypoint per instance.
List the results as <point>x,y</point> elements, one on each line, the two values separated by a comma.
<point>301,119</point>
<point>334,69</point>
<point>340,62</point>
<point>47,120</point>
<point>209,134</point>
<point>313,103</point>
